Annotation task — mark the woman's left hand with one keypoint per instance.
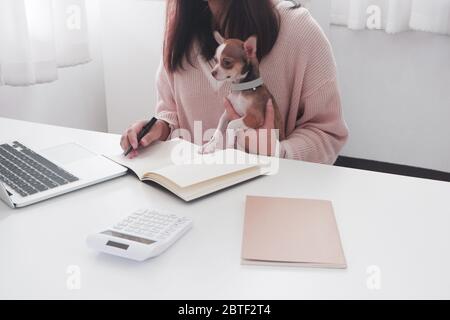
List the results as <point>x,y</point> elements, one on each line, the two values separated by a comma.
<point>267,136</point>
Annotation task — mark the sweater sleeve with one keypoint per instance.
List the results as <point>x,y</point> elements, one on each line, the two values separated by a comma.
<point>166,108</point>
<point>320,131</point>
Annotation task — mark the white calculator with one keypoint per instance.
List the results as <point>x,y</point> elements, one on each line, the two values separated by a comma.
<point>142,235</point>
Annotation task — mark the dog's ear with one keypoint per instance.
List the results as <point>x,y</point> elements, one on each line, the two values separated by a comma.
<point>250,47</point>
<point>218,37</point>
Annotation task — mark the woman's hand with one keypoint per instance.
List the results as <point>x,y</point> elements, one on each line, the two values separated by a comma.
<point>266,136</point>
<point>160,131</point>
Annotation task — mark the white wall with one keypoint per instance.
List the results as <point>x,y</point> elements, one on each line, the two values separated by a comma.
<point>76,99</point>
<point>132,39</point>
<point>396,96</point>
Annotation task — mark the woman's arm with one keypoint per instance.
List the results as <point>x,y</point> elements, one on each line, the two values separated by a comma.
<point>166,108</point>
<point>320,131</point>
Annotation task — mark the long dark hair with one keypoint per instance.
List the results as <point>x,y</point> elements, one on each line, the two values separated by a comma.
<point>189,20</point>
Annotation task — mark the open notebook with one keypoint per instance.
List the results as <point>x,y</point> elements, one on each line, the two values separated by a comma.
<point>178,166</point>
<point>291,232</point>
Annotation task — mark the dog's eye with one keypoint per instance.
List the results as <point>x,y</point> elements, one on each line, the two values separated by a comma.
<point>226,63</point>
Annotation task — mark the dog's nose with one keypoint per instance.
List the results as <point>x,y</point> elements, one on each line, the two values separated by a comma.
<point>214,73</point>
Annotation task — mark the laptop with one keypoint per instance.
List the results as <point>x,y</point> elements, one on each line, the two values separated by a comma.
<point>29,176</point>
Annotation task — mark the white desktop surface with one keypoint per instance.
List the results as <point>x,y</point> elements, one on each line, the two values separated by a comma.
<point>399,224</point>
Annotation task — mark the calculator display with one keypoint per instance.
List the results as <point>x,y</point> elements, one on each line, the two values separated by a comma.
<point>117,245</point>
<point>128,237</point>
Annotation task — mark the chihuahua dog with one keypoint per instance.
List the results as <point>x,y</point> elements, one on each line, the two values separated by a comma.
<point>236,61</point>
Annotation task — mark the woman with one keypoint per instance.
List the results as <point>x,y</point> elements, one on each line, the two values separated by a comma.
<point>297,66</point>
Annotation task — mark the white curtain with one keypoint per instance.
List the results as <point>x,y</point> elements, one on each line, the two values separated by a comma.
<point>396,15</point>
<point>39,36</point>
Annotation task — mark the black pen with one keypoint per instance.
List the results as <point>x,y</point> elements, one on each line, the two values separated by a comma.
<point>146,129</point>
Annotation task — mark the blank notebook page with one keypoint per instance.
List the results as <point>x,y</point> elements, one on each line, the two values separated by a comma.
<point>180,162</point>
<point>291,231</point>
<point>213,166</point>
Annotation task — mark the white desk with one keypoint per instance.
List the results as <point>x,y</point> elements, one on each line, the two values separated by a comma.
<point>400,224</point>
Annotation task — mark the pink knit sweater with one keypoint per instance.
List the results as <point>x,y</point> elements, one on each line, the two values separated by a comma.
<point>300,72</point>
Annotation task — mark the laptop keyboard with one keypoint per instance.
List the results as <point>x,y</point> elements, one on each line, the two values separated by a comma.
<point>27,172</point>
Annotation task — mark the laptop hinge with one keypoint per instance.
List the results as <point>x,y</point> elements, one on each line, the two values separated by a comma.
<point>5,196</point>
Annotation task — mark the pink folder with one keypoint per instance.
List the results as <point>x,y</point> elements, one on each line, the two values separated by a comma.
<point>291,232</point>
